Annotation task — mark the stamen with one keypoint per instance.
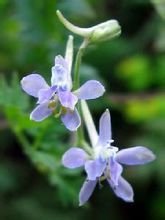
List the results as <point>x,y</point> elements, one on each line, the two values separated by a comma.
<point>52,104</point>
<point>102,178</point>
<point>63,110</point>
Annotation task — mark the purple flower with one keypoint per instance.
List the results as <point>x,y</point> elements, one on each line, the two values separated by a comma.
<point>58,96</point>
<point>105,161</point>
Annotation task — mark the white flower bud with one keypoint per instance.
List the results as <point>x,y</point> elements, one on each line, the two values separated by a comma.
<point>105,31</point>
<point>101,32</point>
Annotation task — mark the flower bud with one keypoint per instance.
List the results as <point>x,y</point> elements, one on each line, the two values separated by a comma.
<point>101,32</point>
<point>105,31</point>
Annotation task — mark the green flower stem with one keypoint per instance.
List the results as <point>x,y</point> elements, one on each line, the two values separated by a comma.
<point>77,64</point>
<point>76,82</point>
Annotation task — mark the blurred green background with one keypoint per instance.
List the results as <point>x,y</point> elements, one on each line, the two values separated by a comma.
<point>33,183</point>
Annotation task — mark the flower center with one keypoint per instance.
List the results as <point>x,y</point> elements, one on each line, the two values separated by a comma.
<point>105,152</point>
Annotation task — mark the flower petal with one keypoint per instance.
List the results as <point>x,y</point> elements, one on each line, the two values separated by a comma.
<point>94,168</point>
<point>115,171</point>
<point>135,156</point>
<point>123,190</point>
<point>67,99</point>
<point>92,89</point>
<point>41,112</point>
<point>46,94</point>
<point>71,119</point>
<point>74,157</point>
<point>60,73</point>
<point>86,191</point>
<point>32,84</point>
<point>59,60</point>
<point>105,134</point>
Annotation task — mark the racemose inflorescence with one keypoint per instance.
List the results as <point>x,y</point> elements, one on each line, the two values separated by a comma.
<point>100,159</point>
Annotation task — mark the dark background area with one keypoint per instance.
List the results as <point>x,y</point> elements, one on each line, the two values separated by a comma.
<point>33,183</point>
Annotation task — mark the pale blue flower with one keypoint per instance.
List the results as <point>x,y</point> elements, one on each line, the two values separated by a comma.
<point>58,99</point>
<point>105,163</point>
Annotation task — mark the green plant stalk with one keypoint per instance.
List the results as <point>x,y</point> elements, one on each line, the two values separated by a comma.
<point>77,64</point>
<point>80,134</point>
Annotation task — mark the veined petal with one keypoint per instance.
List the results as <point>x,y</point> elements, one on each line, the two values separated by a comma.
<point>123,190</point>
<point>59,60</point>
<point>74,157</point>
<point>86,191</point>
<point>71,119</point>
<point>60,74</point>
<point>135,156</point>
<point>115,171</point>
<point>92,89</point>
<point>105,133</point>
<point>46,94</point>
<point>67,99</point>
<point>33,83</point>
<point>41,112</point>
<point>94,168</point>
